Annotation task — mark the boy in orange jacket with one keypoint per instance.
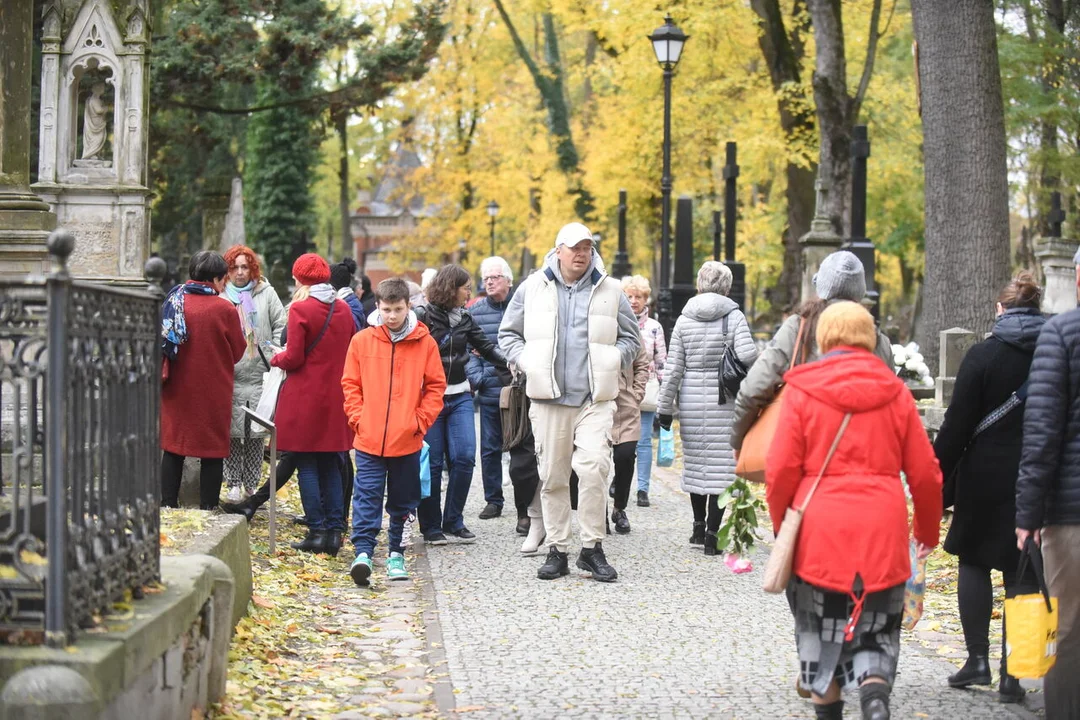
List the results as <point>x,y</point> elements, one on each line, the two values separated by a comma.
<point>393,383</point>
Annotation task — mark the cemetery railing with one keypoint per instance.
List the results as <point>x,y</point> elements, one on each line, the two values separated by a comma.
<point>80,382</point>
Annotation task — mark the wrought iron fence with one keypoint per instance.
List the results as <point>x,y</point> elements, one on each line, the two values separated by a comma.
<point>80,375</point>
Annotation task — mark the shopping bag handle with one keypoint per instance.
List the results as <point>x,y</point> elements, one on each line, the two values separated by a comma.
<point>1032,552</point>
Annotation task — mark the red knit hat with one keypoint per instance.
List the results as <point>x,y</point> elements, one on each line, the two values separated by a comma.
<point>310,269</point>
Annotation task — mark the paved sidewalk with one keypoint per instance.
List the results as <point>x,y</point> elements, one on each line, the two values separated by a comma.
<point>678,636</point>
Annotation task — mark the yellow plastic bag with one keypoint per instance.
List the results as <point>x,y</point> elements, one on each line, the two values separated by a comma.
<point>1031,623</point>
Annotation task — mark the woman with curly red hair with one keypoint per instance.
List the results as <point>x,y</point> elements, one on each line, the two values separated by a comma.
<point>262,319</point>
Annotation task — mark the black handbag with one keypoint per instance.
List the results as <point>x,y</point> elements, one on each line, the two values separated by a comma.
<point>732,369</point>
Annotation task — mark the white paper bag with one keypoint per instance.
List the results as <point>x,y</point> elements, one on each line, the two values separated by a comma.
<point>652,395</point>
<point>272,382</point>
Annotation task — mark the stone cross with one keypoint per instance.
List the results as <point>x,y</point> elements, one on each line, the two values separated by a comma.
<point>1056,216</point>
<point>821,188</point>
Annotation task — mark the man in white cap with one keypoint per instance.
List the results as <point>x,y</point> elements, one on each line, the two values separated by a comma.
<point>571,330</point>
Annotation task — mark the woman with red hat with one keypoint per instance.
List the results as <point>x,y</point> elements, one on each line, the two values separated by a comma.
<point>310,413</point>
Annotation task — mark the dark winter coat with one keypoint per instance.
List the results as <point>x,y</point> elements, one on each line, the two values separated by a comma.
<point>454,343</point>
<point>984,494</point>
<point>310,413</point>
<point>486,379</point>
<point>196,400</point>
<point>1048,489</point>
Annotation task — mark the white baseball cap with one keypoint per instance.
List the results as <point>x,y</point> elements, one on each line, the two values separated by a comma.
<point>572,234</point>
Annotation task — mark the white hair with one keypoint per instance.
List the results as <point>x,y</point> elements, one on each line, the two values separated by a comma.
<point>427,276</point>
<point>496,263</point>
<point>714,277</point>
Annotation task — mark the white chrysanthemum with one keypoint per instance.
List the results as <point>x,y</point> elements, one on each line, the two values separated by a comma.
<point>899,356</point>
<point>928,381</point>
<point>917,357</point>
<point>911,365</point>
<point>912,348</point>
<point>923,370</point>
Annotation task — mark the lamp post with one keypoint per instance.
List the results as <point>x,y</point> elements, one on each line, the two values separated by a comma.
<point>492,211</point>
<point>667,42</point>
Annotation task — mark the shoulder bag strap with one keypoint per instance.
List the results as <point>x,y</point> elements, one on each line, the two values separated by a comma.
<point>1014,401</point>
<point>798,342</point>
<point>836,441</point>
<point>322,332</point>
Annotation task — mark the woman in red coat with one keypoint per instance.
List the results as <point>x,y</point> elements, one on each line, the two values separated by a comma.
<point>851,560</point>
<point>310,415</point>
<point>201,342</point>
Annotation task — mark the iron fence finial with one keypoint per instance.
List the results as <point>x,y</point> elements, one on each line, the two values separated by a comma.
<point>154,271</point>
<point>61,244</point>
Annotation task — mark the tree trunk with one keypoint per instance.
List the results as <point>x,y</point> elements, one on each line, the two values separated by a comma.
<point>1052,77</point>
<point>783,53</point>
<point>833,110</point>
<point>966,179</point>
<point>341,124</point>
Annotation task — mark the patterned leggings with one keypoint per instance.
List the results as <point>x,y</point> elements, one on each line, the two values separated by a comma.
<point>244,464</point>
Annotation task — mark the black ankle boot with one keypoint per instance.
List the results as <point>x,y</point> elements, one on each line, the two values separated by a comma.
<point>832,711</point>
<point>710,544</point>
<point>314,542</point>
<point>246,508</point>
<point>333,543</point>
<point>1009,690</point>
<point>698,536</point>
<point>976,671</point>
<point>874,699</point>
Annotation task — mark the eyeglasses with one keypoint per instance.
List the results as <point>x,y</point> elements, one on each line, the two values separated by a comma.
<point>493,278</point>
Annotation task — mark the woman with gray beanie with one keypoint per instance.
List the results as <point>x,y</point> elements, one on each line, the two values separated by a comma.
<point>840,277</point>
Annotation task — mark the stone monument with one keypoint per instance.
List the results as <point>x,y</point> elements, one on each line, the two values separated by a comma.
<point>25,219</point>
<point>820,242</point>
<point>233,233</point>
<point>1055,255</point>
<point>92,162</point>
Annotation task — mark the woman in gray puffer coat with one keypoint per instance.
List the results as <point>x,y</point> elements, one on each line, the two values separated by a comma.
<point>708,324</point>
<point>262,318</point>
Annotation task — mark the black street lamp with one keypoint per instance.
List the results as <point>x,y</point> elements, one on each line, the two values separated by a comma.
<point>667,42</point>
<point>492,210</point>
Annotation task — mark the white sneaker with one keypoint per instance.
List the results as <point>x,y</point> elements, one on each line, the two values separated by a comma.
<point>235,494</point>
<point>535,539</point>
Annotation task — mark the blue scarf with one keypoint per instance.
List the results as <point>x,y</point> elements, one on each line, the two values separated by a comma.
<point>173,322</point>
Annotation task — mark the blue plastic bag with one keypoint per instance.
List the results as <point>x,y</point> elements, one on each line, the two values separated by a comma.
<point>425,472</point>
<point>665,456</point>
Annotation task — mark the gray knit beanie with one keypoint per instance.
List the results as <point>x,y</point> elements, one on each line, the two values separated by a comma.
<point>841,277</point>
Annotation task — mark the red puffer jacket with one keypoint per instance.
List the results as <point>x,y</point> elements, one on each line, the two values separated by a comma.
<point>857,520</point>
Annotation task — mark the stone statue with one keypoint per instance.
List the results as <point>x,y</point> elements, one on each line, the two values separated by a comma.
<point>95,123</point>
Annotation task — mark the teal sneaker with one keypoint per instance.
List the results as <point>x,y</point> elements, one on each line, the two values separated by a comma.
<point>395,567</point>
<point>361,569</point>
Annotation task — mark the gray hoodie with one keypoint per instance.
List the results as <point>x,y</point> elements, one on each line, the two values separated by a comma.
<point>572,350</point>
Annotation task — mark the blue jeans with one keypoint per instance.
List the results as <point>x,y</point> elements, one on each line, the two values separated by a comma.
<point>399,478</point>
<point>644,452</point>
<point>319,478</point>
<point>453,437</point>
<point>491,469</point>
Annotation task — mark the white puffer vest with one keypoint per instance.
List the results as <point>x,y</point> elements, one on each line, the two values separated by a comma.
<point>541,328</point>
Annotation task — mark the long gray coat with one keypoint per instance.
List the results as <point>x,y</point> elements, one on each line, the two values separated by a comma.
<point>691,377</point>
<point>248,378</point>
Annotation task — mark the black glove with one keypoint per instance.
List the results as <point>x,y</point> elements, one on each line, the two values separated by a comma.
<point>665,421</point>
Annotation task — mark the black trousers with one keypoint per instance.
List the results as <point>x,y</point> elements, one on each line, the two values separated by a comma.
<point>211,473</point>
<point>286,468</point>
<point>715,514</point>
<point>624,456</point>
<point>524,474</point>
<point>975,595</point>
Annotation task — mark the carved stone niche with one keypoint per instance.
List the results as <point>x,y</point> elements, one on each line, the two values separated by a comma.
<point>92,164</point>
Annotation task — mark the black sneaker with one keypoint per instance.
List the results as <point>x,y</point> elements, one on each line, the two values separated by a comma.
<point>436,537</point>
<point>642,498</point>
<point>622,523</point>
<point>463,534</point>
<point>491,510</point>
<point>556,565</point>
<point>592,560</point>
<point>523,525</point>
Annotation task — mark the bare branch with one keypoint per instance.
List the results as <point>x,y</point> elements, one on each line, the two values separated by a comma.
<point>868,66</point>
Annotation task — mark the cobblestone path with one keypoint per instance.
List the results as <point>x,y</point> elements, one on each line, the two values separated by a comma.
<point>678,636</point>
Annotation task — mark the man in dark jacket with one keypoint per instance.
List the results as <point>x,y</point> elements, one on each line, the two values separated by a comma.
<point>486,383</point>
<point>1048,492</point>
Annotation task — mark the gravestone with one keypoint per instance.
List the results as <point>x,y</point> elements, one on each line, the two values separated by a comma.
<point>92,157</point>
<point>820,242</point>
<point>1055,255</point>
<point>954,344</point>
<point>25,219</point>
